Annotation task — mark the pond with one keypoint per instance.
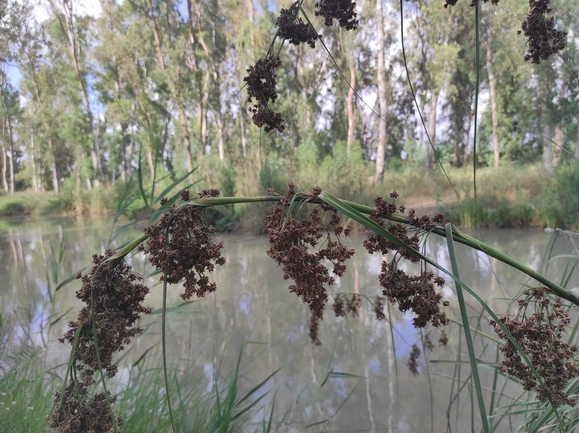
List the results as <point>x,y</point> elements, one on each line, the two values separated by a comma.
<point>356,380</point>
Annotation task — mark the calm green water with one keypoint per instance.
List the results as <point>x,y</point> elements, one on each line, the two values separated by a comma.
<point>254,309</point>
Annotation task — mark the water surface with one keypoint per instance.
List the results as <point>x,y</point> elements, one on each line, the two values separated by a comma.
<point>357,380</point>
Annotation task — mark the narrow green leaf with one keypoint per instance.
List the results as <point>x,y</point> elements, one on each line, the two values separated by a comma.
<point>142,357</point>
<point>68,280</point>
<point>258,386</point>
<point>48,288</point>
<point>467,334</point>
<point>59,318</point>
<point>174,184</point>
<point>140,178</point>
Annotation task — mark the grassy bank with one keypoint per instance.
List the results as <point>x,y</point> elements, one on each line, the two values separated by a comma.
<point>509,196</point>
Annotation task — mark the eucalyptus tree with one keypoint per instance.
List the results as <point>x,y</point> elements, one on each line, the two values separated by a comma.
<point>566,113</point>
<point>74,35</point>
<point>567,127</point>
<point>435,30</point>
<point>114,63</point>
<point>9,111</point>
<point>38,87</point>
<point>381,85</point>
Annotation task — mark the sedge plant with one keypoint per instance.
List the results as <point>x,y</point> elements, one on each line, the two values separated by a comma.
<point>306,232</point>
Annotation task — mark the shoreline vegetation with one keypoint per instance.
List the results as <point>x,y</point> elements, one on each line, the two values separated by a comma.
<point>508,197</point>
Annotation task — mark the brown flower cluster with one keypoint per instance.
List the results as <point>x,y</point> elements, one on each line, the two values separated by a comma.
<point>344,304</point>
<point>342,11</point>
<point>113,295</point>
<point>540,336</point>
<point>265,116</point>
<point>383,209</point>
<point>78,412</point>
<point>293,29</point>
<point>291,241</point>
<point>543,39</point>
<point>411,293</point>
<point>415,293</point>
<point>180,245</point>
<point>261,82</point>
<point>379,308</point>
<point>472,3</point>
<point>412,362</point>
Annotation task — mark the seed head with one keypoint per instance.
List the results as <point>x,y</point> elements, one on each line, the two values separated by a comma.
<point>539,332</point>
<point>342,11</point>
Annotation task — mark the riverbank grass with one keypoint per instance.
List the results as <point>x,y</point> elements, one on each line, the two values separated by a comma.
<point>27,392</point>
<point>507,196</point>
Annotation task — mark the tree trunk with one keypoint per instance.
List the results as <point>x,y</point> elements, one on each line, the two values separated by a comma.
<point>559,144</point>
<point>494,108</point>
<point>242,127</point>
<point>429,149</point>
<point>455,155</point>
<point>183,120</point>
<point>381,150</point>
<point>547,149</point>
<point>4,164</point>
<point>33,161</point>
<point>559,132</point>
<point>547,143</point>
<point>55,183</point>
<point>220,141</point>
<point>350,103</point>
<point>467,139</point>
<point>72,44</point>
<point>251,18</point>
<point>11,143</point>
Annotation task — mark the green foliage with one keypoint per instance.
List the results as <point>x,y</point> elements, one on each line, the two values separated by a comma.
<point>491,212</point>
<point>25,396</point>
<point>345,173</point>
<point>307,159</point>
<point>272,173</point>
<point>21,204</point>
<point>26,399</point>
<point>559,202</point>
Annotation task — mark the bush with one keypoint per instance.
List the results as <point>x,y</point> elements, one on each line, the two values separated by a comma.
<point>559,201</point>
<point>20,203</point>
<point>490,212</point>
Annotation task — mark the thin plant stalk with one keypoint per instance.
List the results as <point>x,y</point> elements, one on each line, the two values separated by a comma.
<point>164,350</point>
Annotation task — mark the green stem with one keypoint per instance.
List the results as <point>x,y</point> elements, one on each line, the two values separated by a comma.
<point>164,345</point>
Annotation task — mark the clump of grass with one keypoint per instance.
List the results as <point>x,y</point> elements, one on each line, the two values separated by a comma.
<point>25,393</point>
<point>22,203</point>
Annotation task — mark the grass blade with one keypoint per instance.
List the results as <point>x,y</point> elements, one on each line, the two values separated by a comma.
<point>467,334</point>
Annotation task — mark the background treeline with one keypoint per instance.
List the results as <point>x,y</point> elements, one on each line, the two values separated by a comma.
<point>89,95</point>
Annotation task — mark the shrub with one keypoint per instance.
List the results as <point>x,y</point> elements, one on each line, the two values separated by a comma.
<point>559,202</point>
